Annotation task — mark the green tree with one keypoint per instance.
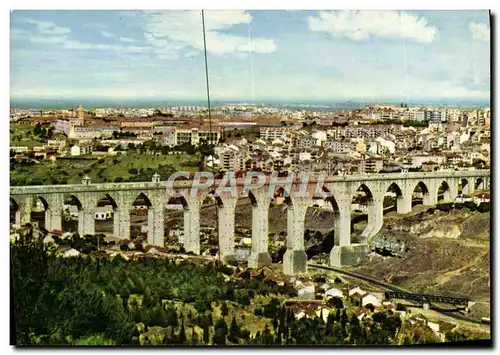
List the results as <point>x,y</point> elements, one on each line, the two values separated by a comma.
<point>224,309</point>
<point>182,333</point>
<point>234,331</point>
<point>147,298</point>
<point>194,337</point>
<point>172,317</point>
<point>220,332</point>
<point>206,334</point>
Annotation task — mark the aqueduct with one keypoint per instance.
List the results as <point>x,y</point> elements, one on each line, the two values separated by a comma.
<point>342,189</point>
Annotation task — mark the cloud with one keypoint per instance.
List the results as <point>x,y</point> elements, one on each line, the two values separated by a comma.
<point>191,54</point>
<point>184,29</point>
<point>45,32</point>
<point>127,39</point>
<point>47,28</point>
<point>107,34</point>
<point>48,40</point>
<point>480,31</point>
<point>364,24</point>
<point>77,45</point>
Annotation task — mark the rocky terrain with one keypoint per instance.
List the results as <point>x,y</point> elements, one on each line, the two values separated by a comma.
<point>448,254</point>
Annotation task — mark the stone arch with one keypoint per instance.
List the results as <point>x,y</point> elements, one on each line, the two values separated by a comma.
<point>392,197</point>
<point>73,198</point>
<point>478,182</point>
<point>211,205</point>
<point>419,191</point>
<point>36,215</point>
<point>71,213</point>
<point>176,208</point>
<point>142,197</point>
<point>105,216</point>
<point>464,186</point>
<point>139,216</point>
<point>329,211</point>
<point>213,196</point>
<point>443,191</point>
<point>362,201</point>
<point>280,205</point>
<point>43,200</point>
<point>179,201</point>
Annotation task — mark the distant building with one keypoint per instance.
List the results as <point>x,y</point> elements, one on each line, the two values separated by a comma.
<point>356,291</point>
<point>482,197</point>
<point>374,298</point>
<point>371,165</point>
<point>103,213</point>
<point>77,150</point>
<point>334,292</point>
<point>305,290</point>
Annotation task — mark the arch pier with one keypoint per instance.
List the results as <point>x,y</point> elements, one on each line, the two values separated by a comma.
<point>339,191</point>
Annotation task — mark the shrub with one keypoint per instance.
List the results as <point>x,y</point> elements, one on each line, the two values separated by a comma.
<point>445,207</point>
<point>470,205</point>
<point>483,207</point>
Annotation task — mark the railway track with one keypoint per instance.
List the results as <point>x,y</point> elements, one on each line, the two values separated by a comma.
<point>391,288</point>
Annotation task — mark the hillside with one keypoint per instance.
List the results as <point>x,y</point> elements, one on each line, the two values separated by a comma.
<point>448,254</point>
<point>448,251</point>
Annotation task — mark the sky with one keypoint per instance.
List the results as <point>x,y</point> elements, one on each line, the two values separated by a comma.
<point>399,56</point>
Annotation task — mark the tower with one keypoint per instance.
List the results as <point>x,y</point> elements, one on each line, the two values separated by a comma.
<point>80,115</point>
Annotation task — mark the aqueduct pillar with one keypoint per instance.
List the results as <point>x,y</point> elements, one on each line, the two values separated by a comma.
<point>53,218</point>
<point>259,254</point>
<point>226,228</point>
<point>295,258</point>
<point>375,217</point>
<point>344,253</point>
<point>155,225</point>
<point>25,205</point>
<point>192,225</point>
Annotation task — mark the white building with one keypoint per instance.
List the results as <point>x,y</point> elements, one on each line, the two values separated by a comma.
<point>463,198</point>
<point>334,292</point>
<point>319,136</point>
<point>103,213</point>
<point>417,160</point>
<point>305,290</point>
<point>303,156</point>
<point>374,298</point>
<point>356,290</point>
<point>80,150</point>
<point>480,198</point>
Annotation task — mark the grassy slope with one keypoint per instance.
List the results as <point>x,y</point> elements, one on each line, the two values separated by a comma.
<point>69,170</point>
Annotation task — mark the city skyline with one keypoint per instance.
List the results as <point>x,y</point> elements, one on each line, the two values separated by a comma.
<point>252,55</point>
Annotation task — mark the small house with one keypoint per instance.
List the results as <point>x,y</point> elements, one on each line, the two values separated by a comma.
<point>334,292</point>
<point>374,298</point>
<point>357,290</point>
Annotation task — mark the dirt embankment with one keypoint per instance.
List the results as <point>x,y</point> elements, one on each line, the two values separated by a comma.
<point>449,254</point>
